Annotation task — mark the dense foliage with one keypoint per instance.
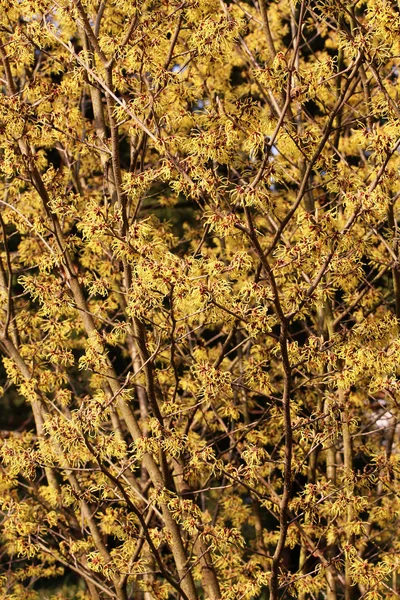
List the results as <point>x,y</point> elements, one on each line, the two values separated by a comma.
<point>199,299</point>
